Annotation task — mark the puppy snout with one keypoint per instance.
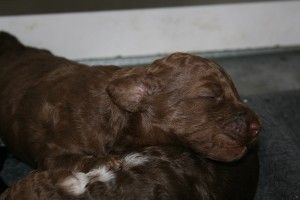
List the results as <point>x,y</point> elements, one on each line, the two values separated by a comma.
<point>236,127</point>
<point>251,121</point>
<point>243,127</point>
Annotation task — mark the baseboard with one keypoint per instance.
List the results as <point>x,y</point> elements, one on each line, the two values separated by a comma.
<point>140,32</point>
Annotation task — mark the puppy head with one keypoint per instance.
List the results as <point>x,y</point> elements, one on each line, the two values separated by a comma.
<point>190,97</point>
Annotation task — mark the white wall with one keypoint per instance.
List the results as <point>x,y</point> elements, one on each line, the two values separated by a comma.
<point>154,31</point>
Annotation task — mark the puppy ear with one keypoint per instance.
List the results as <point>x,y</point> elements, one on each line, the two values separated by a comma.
<point>128,92</point>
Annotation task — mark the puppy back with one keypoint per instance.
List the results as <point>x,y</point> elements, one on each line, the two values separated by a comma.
<point>9,43</point>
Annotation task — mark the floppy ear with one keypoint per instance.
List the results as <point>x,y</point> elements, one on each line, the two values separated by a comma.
<point>128,92</point>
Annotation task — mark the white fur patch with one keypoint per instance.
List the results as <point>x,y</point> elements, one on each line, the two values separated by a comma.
<point>134,159</point>
<point>76,183</point>
<point>101,174</point>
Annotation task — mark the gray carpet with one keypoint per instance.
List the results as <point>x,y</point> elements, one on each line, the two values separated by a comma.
<point>264,73</point>
<point>279,145</point>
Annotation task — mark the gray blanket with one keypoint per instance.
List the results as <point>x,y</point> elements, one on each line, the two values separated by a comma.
<point>279,145</point>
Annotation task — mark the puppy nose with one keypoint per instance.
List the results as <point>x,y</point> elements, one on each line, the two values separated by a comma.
<point>254,128</point>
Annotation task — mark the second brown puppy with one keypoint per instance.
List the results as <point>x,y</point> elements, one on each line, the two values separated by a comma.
<point>151,173</point>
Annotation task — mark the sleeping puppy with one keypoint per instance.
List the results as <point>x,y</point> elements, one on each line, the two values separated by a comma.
<point>55,112</point>
<point>152,173</point>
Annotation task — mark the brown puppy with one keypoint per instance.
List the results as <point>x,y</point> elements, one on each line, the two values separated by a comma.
<point>152,173</point>
<point>55,112</point>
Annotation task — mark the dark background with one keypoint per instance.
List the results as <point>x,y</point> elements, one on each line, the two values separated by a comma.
<point>15,7</point>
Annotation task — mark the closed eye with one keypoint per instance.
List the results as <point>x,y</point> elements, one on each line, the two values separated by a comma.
<point>206,93</point>
<point>211,95</point>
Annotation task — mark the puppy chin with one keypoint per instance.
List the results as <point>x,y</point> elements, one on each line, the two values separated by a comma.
<point>253,144</point>
<point>227,154</point>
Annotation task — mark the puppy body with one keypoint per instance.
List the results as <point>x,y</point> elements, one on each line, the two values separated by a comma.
<point>55,112</point>
<point>151,173</point>
<point>51,107</point>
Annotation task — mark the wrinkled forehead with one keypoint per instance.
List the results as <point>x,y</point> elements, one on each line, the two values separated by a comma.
<point>208,74</point>
<point>201,69</point>
<point>183,70</point>
<point>205,69</point>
